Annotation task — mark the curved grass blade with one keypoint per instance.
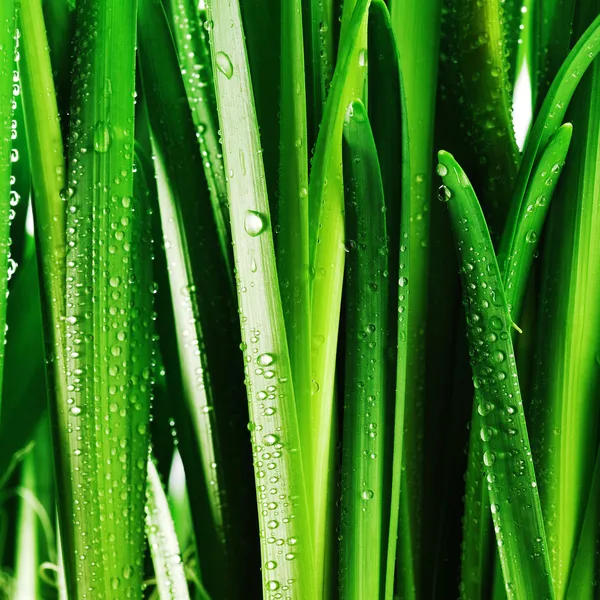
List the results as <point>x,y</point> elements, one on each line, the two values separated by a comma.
<point>327,256</point>
<point>477,530</point>
<point>292,239</point>
<point>549,120</point>
<point>207,358</point>
<point>564,406</point>
<point>273,416</point>
<point>162,540</point>
<point>363,502</point>
<point>196,69</point>
<point>108,311</point>
<point>416,25</point>
<point>514,498</point>
<point>7,154</point>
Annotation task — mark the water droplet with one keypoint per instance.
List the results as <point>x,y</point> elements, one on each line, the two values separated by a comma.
<point>403,281</point>
<point>102,137</point>
<point>486,434</point>
<point>264,360</point>
<point>273,585</point>
<point>489,458</point>
<point>254,223</point>
<point>224,64</point>
<point>270,439</point>
<point>444,193</point>
<point>442,170</point>
<point>531,237</point>
<point>367,494</point>
<point>270,565</point>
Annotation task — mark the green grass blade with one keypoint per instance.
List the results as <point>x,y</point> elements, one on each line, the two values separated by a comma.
<point>582,580</point>
<point>550,118</point>
<point>194,60</point>
<point>477,526</point>
<point>507,458</point>
<point>292,239</point>
<point>274,422</point>
<point>162,540</point>
<point>564,405</point>
<point>7,156</point>
<point>363,522</point>
<point>108,271</point>
<point>479,50</point>
<point>416,26</point>
<point>327,255</point>
<point>208,383</point>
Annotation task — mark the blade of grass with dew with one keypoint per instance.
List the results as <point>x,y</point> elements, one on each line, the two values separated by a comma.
<point>46,156</point>
<point>564,408</point>
<point>292,240</point>
<point>476,529</point>
<point>389,131</point>
<point>7,155</point>
<point>108,310</point>
<point>363,524</point>
<point>202,295</point>
<point>582,578</point>
<point>327,256</point>
<point>416,27</point>
<point>162,540</point>
<point>194,60</point>
<point>549,119</point>
<point>319,19</point>
<point>273,415</point>
<point>479,51</point>
<point>514,498</point>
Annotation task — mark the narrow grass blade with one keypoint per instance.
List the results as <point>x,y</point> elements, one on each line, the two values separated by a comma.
<point>479,51</point>
<point>7,154</point>
<point>416,25</point>
<point>515,503</point>
<point>209,377</point>
<point>194,59</point>
<point>108,347</point>
<point>292,239</point>
<point>564,404</point>
<point>327,256</point>
<point>274,423</point>
<point>582,579</point>
<point>363,522</point>
<point>162,540</point>
<point>477,526</point>
<point>550,118</point>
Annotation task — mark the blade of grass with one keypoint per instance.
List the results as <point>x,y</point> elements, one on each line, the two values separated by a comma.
<point>549,119</point>
<point>416,27</point>
<point>477,527</point>
<point>194,59</point>
<point>164,547</point>
<point>273,415</point>
<point>512,486</point>
<point>363,501</point>
<point>479,51</point>
<point>327,256</point>
<point>108,311</point>
<point>564,405</point>
<point>7,155</point>
<point>292,239</point>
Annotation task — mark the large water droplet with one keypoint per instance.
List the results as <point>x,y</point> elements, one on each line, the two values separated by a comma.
<point>254,223</point>
<point>102,137</point>
<point>224,64</point>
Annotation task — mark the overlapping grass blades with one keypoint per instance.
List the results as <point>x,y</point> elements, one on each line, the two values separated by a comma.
<point>273,416</point>
<point>204,368</point>
<point>507,459</point>
<point>363,491</point>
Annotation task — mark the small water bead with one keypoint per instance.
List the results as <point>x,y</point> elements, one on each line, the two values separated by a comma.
<point>266,359</point>
<point>531,237</point>
<point>498,356</point>
<point>102,137</point>
<point>367,494</point>
<point>75,410</point>
<point>403,281</point>
<point>489,458</point>
<point>486,434</point>
<point>442,170</point>
<point>270,565</point>
<point>496,323</point>
<point>273,585</point>
<point>224,64</point>
<point>254,223</point>
<point>444,193</point>
<point>270,439</point>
